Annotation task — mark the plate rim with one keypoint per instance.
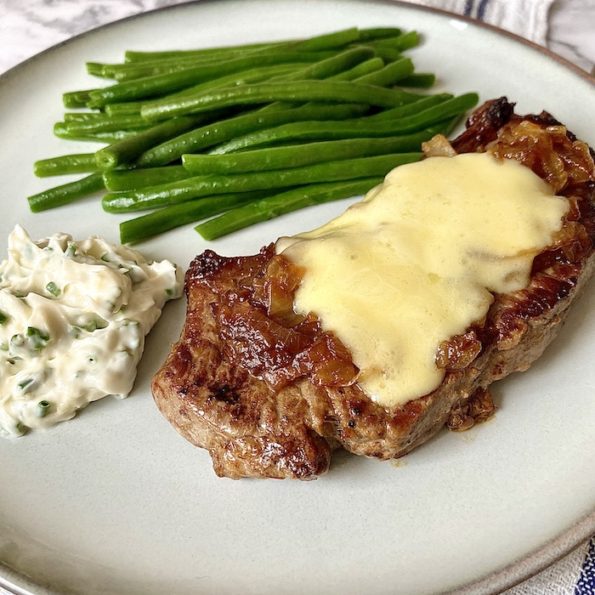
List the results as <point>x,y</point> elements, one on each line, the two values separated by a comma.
<point>514,573</point>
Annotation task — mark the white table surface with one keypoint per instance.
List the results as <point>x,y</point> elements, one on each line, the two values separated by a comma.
<point>30,26</point>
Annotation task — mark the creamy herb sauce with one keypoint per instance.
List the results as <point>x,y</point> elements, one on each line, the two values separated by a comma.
<point>73,317</point>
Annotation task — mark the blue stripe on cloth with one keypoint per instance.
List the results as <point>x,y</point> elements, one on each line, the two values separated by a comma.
<point>586,580</point>
<point>482,9</point>
<point>468,8</point>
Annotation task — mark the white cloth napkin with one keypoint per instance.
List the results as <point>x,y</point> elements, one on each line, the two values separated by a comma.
<point>527,18</point>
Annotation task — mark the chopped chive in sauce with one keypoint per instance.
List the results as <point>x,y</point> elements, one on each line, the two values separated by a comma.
<point>26,385</point>
<point>93,325</point>
<point>20,428</point>
<point>4,317</point>
<point>43,408</point>
<point>37,338</point>
<point>52,288</point>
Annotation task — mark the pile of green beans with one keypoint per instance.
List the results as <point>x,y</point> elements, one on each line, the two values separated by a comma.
<point>236,135</point>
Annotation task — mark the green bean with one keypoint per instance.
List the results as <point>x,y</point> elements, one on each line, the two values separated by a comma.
<point>236,78</point>
<point>222,52</point>
<point>320,42</point>
<point>338,67</point>
<point>279,204</point>
<point>96,69</point>
<point>152,86</point>
<point>325,91</point>
<point>155,66</point>
<point>401,42</point>
<point>330,66</point>
<point>65,164</point>
<point>421,104</point>
<point>184,190</point>
<point>252,75</point>
<point>375,33</point>
<point>127,150</point>
<point>97,137</point>
<point>275,158</point>
<point>102,124</point>
<point>162,220</point>
<point>65,194</point>
<point>316,130</point>
<point>360,127</point>
<point>118,180</point>
<point>124,108</point>
<point>74,99</point>
<point>330,69</point>
<point>327,41</point>
<point>71,132</point>
<point>359,70</point>
<point>387,53</point>
<point>419,80</point>
<point>222,131</point>
<point>83,116</point>
<point>389,75</point>
<point>133,71</point>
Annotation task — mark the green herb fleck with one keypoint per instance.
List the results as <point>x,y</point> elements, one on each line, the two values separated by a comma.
<point>20,428</point>
<point>4,317</point>
<point>26,385</point>
<point>53,289</point>
<point>37,338</point>
<point>94,324</point>
<point>43,408</point>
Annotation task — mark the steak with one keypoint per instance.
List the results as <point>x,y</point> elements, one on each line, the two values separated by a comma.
<point>269,394</point>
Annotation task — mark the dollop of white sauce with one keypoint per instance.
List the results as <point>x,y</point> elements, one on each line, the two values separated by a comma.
<point>73,319</point>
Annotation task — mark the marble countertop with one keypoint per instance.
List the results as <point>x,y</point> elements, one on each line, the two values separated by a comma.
<point>30,26</point>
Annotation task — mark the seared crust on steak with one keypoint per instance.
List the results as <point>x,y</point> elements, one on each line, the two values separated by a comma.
<point>269,395</point>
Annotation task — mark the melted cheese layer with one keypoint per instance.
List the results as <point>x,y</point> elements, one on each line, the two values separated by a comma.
<point>418,260</point>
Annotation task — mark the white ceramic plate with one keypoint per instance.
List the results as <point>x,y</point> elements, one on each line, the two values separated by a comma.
<point>116,502</point>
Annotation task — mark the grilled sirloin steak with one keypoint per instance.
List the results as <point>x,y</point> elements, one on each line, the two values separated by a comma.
<point>264,390</point>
